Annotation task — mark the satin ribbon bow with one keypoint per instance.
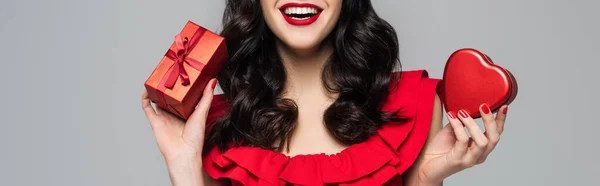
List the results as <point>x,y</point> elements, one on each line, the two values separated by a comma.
<point>183,47</point>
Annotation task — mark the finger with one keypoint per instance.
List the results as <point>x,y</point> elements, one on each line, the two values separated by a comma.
<point>155,118</point>
<point>501,118</point>
<point>473,128</point>
<point>147,107</point>
<point>201,110</point>
<point>491,128</point>
<point>487,152</point>
<point>172,122</point>
<point>479,139</point>
<point>486,115</point>
<point>194,128</point>
<point>165,113</point>
<point>462,139</point>
<point>491,131</point>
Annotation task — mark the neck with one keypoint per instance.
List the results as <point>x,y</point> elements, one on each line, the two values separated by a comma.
<point>305,87</point>
<point>304,69</point>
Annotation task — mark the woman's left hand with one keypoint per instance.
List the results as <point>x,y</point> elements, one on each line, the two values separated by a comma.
<point>452,150</point>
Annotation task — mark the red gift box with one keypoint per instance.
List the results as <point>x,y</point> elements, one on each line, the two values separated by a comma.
<point>177,82</point>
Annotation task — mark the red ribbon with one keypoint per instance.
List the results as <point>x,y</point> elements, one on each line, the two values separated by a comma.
<point>183,47</point>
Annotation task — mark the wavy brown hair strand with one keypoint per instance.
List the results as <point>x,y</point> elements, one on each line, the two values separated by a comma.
<point>359,70</point>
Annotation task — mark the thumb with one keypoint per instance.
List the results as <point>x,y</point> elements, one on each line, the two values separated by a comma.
<point>447,127</point>
<point>194,128</point>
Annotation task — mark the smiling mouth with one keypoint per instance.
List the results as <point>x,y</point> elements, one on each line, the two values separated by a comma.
<point>300,14</point>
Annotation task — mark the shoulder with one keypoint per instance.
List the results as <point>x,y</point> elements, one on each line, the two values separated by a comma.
<point>379,160</point>
<point>414,95</point>
<point>412,79</point>
<point>409,89</point>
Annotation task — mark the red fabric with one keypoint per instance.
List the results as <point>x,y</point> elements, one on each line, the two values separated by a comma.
<point>380,160</point>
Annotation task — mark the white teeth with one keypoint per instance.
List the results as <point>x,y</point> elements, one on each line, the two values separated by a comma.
<point>300,10</point>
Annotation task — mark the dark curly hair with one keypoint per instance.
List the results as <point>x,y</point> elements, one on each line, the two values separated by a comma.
<point>365,54</point>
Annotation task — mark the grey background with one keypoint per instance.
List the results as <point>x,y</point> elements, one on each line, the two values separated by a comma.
<point>72,71</point>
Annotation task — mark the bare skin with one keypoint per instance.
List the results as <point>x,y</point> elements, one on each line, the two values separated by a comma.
<point>306,88</point>
<point>448,150</point>
<point>304,51</point>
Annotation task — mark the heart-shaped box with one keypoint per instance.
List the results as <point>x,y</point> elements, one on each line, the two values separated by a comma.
<point>471,78</point>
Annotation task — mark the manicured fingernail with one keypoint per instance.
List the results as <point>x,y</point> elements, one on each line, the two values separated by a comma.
<point>505,110</point>
<point>214,83</point>
<point>451,115</point>
<point>485,108</point>
<point>463,113</point>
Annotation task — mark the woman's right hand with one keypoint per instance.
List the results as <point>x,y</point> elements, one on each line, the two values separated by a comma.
<point>181,142</point>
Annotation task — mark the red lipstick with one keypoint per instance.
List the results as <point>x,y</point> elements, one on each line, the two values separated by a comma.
<point>300,19</point>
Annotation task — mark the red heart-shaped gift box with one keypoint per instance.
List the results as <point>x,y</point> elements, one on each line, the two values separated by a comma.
<point>471,78</point>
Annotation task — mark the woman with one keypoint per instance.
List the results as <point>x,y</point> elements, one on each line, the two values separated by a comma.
<point>311,98</point>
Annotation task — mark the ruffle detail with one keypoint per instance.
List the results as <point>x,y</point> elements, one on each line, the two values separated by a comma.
<point>378,161</point>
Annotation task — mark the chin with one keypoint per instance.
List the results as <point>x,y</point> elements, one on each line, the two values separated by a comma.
<point>301,43</point>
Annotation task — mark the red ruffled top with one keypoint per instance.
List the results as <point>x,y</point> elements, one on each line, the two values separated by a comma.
<point>378,161</point>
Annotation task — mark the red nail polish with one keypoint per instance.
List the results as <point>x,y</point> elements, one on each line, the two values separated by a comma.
<point>485,108</point>
<point>214,84</point>
<point>451,115</point>
<point>505,110</point>
<point>463,113</point>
